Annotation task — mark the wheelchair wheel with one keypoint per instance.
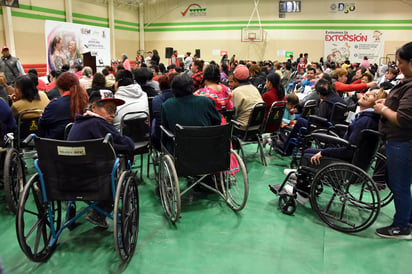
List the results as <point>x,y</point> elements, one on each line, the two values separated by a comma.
<point>287,204</point>
<point>126,216</point>
<point>14,178</point>
<point>377,172</point>
<point>349,200</point>
<point>155,156</point>
<point>37,222</point>
<point>261,152</point>
<point>169,188</point>
<point>235,184</point>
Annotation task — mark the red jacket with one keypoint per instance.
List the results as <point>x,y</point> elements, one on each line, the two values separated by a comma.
<point>269,97</point>
<point>342,87</point>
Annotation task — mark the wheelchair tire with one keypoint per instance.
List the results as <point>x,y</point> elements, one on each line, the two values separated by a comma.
<point>169,188</point>
<point>287,204</point>
<point>34,222</point>
<point>14,178</point>
<point>236,186</point>
<point>126,216</point>
<point>154,160</point>
<point>349,201</point>
<point>261,151</point>
<point>385,193</point>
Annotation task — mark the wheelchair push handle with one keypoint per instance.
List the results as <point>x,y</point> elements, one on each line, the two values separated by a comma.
<point>108,139</point>
<point>29,138</point>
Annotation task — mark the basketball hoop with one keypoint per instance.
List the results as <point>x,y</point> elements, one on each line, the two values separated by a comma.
<point>252,34</point>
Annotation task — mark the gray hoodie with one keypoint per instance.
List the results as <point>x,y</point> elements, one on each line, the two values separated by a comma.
<point>135,100</point>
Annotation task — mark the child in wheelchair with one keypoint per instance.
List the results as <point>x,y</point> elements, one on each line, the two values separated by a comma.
<point>329,97</point>
<point>288,120</point>
<point>95,123</point>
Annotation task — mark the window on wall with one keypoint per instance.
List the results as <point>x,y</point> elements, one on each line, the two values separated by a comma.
<point>289,6</point>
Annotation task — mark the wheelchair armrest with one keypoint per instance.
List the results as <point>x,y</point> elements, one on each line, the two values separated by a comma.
<point>329,139</point>
<point>342,127</point>
<point>28,139</point>
<point>317,120</point>
<point>167,132</point>
<point>235,122</point>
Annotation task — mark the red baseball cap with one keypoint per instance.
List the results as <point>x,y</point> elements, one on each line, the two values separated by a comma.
<point>4,48</point>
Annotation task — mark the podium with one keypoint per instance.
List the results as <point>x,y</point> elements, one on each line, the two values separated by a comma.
<point>90,61</point>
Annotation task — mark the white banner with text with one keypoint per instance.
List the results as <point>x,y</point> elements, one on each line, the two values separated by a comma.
<point>354,45</point>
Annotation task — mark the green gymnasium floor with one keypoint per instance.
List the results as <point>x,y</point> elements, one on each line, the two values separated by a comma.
<point>211,238</point>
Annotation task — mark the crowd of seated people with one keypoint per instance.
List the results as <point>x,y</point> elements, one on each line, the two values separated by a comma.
<point>195,95</point>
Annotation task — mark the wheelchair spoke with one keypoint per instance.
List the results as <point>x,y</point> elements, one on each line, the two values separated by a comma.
<point>235,183</point>
<point>126,216</point>
<point>343,203</point>
<point>33,228</point>
<point>169,189</point>
<point>330,203</point>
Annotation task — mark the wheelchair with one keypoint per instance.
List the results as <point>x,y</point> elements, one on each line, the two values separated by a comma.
<point>203,156</point>
<point>343,194</point>
<point>12,173</point>
<point>15,152</point>
<point>68,172</point>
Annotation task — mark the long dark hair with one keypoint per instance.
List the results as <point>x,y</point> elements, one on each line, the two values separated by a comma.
<point>405,52</point>
<point>28,90</point>
<point>53,44</point>
<point>274,79</point>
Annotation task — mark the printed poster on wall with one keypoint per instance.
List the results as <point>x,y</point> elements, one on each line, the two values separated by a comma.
<point>354,44</point>
<point>67,42</point>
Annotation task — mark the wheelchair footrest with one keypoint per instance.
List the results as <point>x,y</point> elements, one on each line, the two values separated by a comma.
<point>276,189</point>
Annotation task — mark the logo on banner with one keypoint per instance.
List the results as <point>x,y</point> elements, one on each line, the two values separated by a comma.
<point>377,35</point>
<point>194,10</point>
<point>354,44</point>
<point>342,7</point>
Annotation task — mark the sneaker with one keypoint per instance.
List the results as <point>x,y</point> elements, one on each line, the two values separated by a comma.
<point>97,219</point>
<point>288,188</point>
<point>394,232</point>
<point>266,140</point>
